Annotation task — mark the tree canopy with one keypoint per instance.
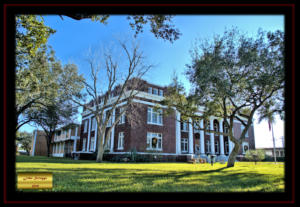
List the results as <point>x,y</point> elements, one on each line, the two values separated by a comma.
<point>160,25</point>
<point>233,77</point>
<point>24,139</point>
<point>31,34</point>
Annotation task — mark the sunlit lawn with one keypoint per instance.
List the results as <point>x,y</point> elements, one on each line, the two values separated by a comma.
<point>89,176</point>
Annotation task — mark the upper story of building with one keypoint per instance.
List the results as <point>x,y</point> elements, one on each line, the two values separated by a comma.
<point>67,132</point>
<point>143,90</point>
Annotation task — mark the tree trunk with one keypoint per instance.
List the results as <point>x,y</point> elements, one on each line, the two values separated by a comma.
<point>233,154</point>
<point>48,149</point>
<point>100,148</point>
<point>48,141</point>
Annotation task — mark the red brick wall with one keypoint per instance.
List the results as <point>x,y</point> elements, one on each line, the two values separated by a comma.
<point>135,131</point>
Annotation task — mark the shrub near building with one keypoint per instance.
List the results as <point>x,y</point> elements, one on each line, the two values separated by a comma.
<point>255,155</point>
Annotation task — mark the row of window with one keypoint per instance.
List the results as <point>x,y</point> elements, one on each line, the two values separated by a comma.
<point>156,117</point>
<point>61,148</point>
<point>57,148</point>
<point>154,142</point>
<point>121,121</point>
<point>184,127</point>
<point>155,91</point>
<point>279,153</point>
<point>153,117</point>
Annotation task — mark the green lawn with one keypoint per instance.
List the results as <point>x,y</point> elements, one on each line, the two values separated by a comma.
<point>89,176</point>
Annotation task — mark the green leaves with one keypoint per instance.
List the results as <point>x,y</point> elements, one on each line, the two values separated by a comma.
<point>24,139</point>
<point>245,69</point>
<point>233,77</point>
<point>255,155</point>
<point>31,34</point>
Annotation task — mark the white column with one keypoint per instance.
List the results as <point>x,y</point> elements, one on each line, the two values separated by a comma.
<point>212,136</point>
<point>112,131</point>
<point>70,133</point>
<point>221,137</point>
<point>75,141</point>
<point>95,137</point>
<point>74,145</point>
<point>202,144</point>
<point>191,140</point>
<point>33,148</point>
<point>89,135</point>
<point>178,132</point>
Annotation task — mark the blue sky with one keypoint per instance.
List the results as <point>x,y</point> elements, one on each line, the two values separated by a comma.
<point>73,39</point>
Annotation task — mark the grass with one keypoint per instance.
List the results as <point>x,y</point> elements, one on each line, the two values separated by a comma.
<point>89,176</point>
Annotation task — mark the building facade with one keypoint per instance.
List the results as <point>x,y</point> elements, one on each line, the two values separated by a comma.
<point>279,151</point>
<point>65,141</point>
<point>154,132</point>
<point>39,143</point>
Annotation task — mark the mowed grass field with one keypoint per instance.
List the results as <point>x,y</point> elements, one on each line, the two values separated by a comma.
<point>89,176</point>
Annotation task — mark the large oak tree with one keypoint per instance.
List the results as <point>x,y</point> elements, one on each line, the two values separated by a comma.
<point>233,77</point>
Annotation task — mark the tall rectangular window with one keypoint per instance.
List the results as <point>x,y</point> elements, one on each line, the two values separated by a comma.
<point>150,90</point>
<point>107,146</point>
<point>161,92</point>
<point>93,123</point>
<point>184,145</point>
<point>154,141</point>
<point>154,117</point>
<point>92,143</point>
<point>84,145</point>
<point>85,125</point>
<point>122,119</point>
<point>184,126</point>
<point>217,147</point>
<point>207,143</point>
<point>121,141</point>
<point>226,147</point>
<point>155,91</point>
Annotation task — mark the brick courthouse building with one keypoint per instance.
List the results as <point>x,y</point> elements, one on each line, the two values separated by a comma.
<point>159,134</point>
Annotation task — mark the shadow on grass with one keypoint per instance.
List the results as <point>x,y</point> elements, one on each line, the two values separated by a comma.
<point>57,160</point>
<point>149,180</point>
